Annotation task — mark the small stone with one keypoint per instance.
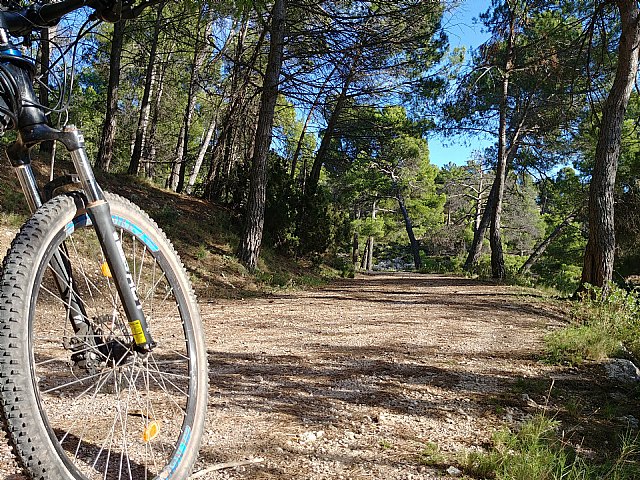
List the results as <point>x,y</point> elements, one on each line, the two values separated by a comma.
<point>308,437</point>
<point>453,471</point>
<point>349,435</point>
<point>622,370</point>
<point>529,401</point>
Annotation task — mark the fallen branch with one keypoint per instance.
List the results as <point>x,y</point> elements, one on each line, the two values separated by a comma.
<point>222,466</point>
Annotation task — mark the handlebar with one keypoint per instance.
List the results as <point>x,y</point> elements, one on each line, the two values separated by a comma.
<point>23,21</point>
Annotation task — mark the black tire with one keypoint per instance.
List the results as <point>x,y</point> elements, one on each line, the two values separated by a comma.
<point>122,414</point>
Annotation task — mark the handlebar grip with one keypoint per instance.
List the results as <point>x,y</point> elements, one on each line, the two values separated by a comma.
<point>25,20</point>
<point>52,12</point>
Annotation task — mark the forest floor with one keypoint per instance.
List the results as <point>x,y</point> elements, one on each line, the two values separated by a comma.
<point>356,379</point>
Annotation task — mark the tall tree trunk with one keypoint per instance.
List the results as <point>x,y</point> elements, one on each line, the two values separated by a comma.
<point>172,179</point>
<point>251,242</point>
<point>145,104</point>
<point>478,235</point>
<point>327,135</point>
<point>599,253</point>
<point>199,55</point>
<point>316,102</point>
<point>220,157</point>
<point>355,250</point>
<point>314,176</point>
<point>415,246</point>
<point>201,153</point>
<point>107,140</point>
<point>367,258</point>
<point>478,204</point>
<point>365,254</point>
<point>540,249</point>
<point>150,145</point>
<point>498,269</point>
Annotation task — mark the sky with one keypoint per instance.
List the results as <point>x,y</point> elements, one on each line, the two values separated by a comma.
<point>462,32</point>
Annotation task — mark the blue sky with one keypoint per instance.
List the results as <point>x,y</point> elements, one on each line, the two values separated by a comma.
<point>462,32</point>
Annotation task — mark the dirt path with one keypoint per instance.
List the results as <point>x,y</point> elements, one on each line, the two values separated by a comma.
<point>354,380</point>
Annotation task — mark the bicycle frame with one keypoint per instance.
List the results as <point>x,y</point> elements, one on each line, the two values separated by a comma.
<point>32,129</point>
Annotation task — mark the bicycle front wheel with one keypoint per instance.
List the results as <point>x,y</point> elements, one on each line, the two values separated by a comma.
<point>78,400</point>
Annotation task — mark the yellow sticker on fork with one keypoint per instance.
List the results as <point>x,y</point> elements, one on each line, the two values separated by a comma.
<point>137,332</point>
<point>104,268</point>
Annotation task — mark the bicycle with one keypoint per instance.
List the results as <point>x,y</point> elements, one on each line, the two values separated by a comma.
<point>103,370</point>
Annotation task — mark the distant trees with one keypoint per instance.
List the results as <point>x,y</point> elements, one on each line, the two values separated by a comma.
<point>520,90</point>
<point>319,144</point>
<point>379,163</point>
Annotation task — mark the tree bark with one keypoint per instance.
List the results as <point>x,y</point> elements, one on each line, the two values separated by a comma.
<point>314,176</point>
<point>368,258</point>
<point>365,254</point>
<point>145,104</point>
<point>109,127</point>
<point>251,242</point>
<point>600,250</point>
<point>314,105</point>
<point>355,250</point>
<point>150,145</point>
<point>478,235</point>
<point>203,151</point>
<point>415,246</point>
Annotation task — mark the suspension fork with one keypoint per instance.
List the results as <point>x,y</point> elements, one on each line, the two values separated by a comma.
<point>100,214</point>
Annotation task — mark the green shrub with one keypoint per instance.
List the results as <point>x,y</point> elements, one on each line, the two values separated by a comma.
<point>565,279</point>
<point>602,326</point>
<point>437,264</point>
<point>536,452</point>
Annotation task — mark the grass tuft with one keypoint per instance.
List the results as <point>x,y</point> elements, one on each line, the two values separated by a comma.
<point>537,452</point>
<point>602,326</point>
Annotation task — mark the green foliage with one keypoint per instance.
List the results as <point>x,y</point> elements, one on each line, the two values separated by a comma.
<point>369,227</point>
<point>442,264</point>
<point>512,265</point>
<point>380,163</point>
<point>431,455</point>
<point>320,224</point>
<point>282,207</point>
<point>536,452</point>
<point>274,279</point>
<point>602,326</point>
<point>13,203</point>
<point>564,278</point>
<point>524,227</point>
